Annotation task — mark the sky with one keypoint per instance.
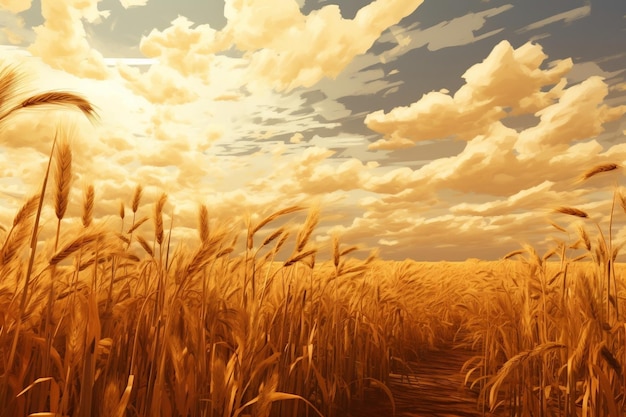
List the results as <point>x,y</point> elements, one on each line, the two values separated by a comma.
<point>429,129</point>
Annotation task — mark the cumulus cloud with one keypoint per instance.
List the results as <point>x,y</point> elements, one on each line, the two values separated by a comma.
<point>579,114</point>
<point>528,169</point>
<point>61,41</point>
<point>507,79</point>
<point>291,50</point>
<point>190,126</point>
<point>187,50</point>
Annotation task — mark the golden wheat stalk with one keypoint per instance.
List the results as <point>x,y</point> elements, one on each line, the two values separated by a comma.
<point>309,225</point>
<point>63,178</point>
<point>598,169</point>
<point>144,244</point>
<point>158,218</point>
<point>137,198</point>
<point>137,224</point>
<point>10,79</point>
<point>203,221</point>
<point>82,240</point>
<point>88,201</point>
<point>571,211</point>
<point>253,230</point>
<point>26,211</point>
<point>513,253</point>
<point>336,253</point>
<point>58,98</point>
<point>584,236</point>
<point>19,233</point>
<point>269,239</point>
<point>299,256</point>
<point>622,199</point>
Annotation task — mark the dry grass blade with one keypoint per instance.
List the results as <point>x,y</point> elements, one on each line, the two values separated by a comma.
<point>88,201</point>
<point>513,363</point>
<point>611,359</point>
<point>63,178</point>
<point>123,404</point>
<point>598,169</point>
<point>571,211</point>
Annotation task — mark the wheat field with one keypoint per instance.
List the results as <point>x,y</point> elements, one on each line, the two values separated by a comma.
<point>116,319</point>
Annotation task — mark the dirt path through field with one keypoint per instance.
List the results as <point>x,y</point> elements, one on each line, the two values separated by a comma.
<point>435,389</point>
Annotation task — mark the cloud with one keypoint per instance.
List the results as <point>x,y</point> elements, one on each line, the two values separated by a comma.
<point>507,79</point>
<point>579,114</point>
<point>296,138</point>
<point>456,32</point>
<point>159,85</point>
<point>583,70</point>
<point>566,17</point>
<point>530,199</point>
<point>133,3</point>
<point>446,236</point>
<point>291,50</point>
<point>313,172</point>
<point>61,41</point>
<point>16,6</point>
<point>188,51</point>
<point>190,125</point>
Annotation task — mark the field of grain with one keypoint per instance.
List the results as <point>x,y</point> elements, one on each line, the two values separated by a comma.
<point>116,319</point>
